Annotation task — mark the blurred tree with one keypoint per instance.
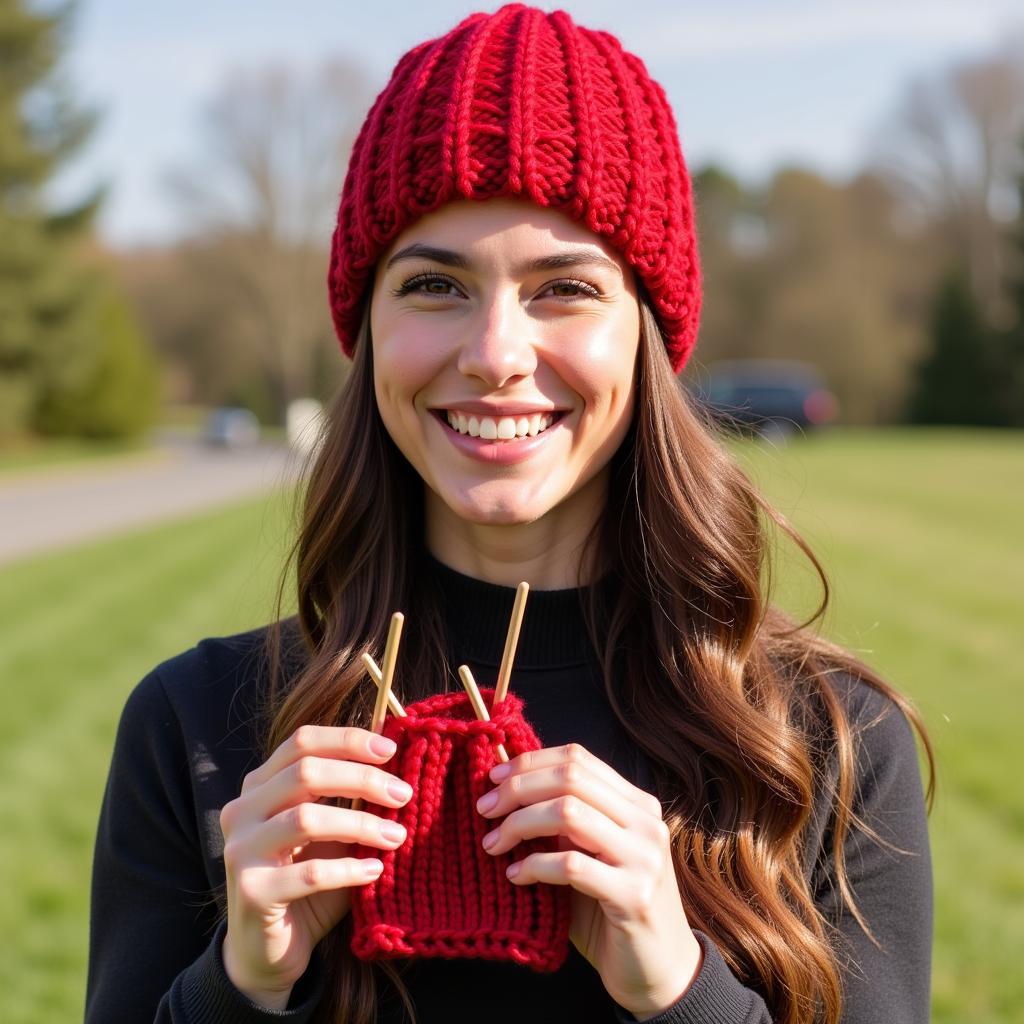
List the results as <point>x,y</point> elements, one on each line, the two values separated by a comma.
<point>208,336</point>
<point>192,322</point>
<point>844,277</point>
<point>1008,337</point>
<point>951,149</point>
<point>41,296</point>
<point>732,237</point>
<point>955,382</point>
<point>261,218</point>
<point>811,269</point>
<point>116,393</point>
<point>50,334</point>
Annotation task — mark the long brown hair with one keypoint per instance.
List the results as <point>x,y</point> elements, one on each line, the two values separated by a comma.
<point>726,694</point>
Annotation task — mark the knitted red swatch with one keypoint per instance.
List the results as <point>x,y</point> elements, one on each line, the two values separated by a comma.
<point>440,894</point>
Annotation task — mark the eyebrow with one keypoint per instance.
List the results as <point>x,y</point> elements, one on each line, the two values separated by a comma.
<point>556,261</point>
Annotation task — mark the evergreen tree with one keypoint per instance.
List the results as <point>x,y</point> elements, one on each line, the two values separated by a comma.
<point>1009,343</point>
<point>50,324</point>
<point>115,392</point>
<point>955,382</point>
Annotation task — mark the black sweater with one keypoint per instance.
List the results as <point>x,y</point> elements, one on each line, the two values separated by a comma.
<point>187,738</point>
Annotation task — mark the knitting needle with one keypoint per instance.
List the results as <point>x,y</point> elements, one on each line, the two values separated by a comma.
<point>505,672</point>
<point>380,709</point>
<point>478,702</point>
<point>394,705</point>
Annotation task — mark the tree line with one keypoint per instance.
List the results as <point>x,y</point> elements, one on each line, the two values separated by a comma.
<point>904,284</point>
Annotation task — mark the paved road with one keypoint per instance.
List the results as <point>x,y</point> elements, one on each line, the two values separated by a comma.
<point>49,509</point>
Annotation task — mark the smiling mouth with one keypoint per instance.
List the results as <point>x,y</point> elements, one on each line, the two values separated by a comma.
<point>498,429</point>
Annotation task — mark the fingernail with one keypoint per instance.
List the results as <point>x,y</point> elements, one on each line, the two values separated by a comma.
<point>372,868</point>
<point>490,839</point>
<point>382,746</point>
<point>392,831</point>
<point>512,870</point>
<point>487,801</point>
<point>499,771</point>
<point>399,790</point>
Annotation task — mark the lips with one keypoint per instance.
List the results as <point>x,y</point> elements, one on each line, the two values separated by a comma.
<point>499,451</point>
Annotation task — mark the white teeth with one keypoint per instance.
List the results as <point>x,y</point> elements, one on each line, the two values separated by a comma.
<point>506,428</point>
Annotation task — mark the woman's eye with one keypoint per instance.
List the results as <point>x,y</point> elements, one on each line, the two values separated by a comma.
<point>574,290</point>
<point>425,284</point>
<point>446,287</point>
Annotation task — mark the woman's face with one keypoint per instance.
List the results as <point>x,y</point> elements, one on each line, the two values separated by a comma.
<point>505,338</point>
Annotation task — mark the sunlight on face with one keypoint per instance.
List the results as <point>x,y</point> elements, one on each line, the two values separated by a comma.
<point>500,317</point>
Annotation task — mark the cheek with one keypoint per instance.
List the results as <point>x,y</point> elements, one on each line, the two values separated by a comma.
<point>404,362</point>
<point>599,365</point>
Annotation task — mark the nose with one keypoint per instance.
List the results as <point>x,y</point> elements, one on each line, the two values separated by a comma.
<point>498,345</point>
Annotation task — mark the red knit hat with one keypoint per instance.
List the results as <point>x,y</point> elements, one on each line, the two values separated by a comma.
<point>524,103</point>
<point>440,893</point>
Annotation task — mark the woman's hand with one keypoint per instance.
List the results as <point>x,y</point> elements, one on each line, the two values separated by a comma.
<point>286,855</point>
<point>627,915</point>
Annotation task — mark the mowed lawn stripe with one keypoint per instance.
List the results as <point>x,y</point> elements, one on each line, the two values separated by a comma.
<point>977,480</point>
<point>919,533</point>
<point>897,573</point>
<point>166,589</point>
<point>122,595</point>
<point>980,913</point>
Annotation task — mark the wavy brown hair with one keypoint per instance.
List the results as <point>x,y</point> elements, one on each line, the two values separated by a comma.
<point>726,694</point>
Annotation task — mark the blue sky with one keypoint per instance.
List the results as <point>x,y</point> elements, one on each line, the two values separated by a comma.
<point>753,84</point>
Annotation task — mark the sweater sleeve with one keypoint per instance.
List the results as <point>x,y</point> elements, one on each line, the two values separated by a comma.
<point>888,979</point>
<point>154,939</point>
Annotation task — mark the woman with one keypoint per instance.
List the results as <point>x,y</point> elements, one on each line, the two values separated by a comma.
<point>737,804</point>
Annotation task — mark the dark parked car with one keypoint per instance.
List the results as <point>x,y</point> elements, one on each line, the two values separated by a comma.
<point>770,397</point>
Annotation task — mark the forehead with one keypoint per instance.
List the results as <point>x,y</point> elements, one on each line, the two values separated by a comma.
<point>497,229</point>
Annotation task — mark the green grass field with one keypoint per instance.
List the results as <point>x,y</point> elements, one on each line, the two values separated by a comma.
<point>919,533</point>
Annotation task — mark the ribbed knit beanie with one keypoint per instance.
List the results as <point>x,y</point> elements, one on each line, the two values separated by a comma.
<point>524,103</point>
<point>440,893</point>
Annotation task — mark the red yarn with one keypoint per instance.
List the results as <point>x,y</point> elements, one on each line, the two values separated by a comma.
<point>440,894</point>
<point>524,103</point>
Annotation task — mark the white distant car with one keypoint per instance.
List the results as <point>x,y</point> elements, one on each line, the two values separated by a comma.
<point>304,420</point>
<point>232,427</point>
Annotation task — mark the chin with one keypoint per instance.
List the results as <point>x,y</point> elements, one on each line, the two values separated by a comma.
<point>507,511</point>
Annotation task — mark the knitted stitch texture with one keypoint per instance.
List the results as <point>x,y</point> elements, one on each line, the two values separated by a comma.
<point>527,104</point>
<point>440,894</point>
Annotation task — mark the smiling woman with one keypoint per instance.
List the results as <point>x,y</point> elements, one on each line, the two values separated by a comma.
<point>535,369</point>
<point>727,807</point>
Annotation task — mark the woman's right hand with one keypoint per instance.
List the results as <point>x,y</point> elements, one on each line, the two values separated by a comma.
<point>287,857</point>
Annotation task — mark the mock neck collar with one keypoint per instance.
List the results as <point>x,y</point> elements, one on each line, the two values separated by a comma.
<point>477,614</point>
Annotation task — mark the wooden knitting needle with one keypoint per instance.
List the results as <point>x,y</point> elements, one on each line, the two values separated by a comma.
<point>478,702</point>
<point>380,709</point>
<point>387,671</point>
<point>394,705</point>
<point>505,672</point>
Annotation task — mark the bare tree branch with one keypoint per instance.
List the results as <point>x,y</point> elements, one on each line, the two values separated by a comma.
<point>262,204</point>
<point>951,149</point>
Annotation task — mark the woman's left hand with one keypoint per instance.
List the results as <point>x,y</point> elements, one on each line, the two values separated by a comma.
<point>613,849</point>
